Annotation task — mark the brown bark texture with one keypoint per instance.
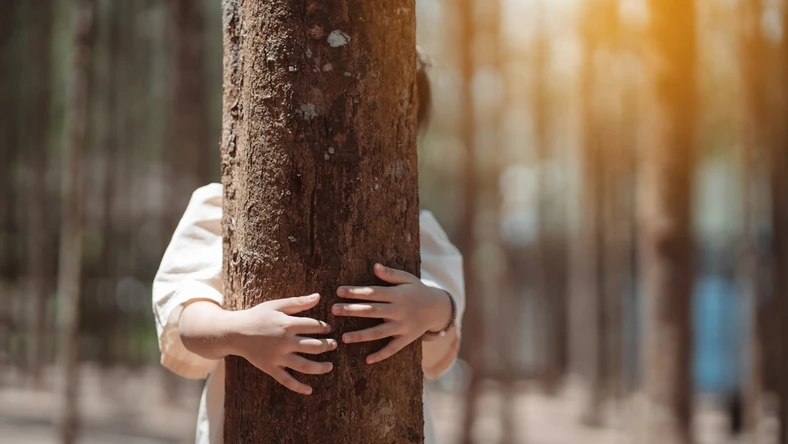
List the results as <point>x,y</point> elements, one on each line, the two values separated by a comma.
<point>70,260</point>
<point>320,179</point>
<point>665,214</point>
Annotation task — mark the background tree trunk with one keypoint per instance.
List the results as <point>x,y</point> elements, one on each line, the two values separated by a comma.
<point>320,173</point>
<point>473,324</point>
<point>779,180</point>
<point>751,161</point>
<point>35,144</point>
<point>189,143</point>
<point>9,99</point>
<point>590,262</point>
<point>666,235</point>
<point>69,268</point>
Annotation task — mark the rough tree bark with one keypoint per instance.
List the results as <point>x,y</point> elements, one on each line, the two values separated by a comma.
<point>70,260</point>
<point>665,215</point>
<point>320,174</point>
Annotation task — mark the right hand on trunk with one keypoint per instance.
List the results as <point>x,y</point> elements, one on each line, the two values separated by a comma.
<point>269,337</point>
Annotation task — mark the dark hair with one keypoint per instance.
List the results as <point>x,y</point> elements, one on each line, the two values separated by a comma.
<point>423,90</point>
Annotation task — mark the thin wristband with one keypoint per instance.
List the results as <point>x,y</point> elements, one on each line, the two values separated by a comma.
<point>453,319</point>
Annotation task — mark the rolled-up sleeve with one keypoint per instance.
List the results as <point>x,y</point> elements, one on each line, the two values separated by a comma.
<point>190,270</point>
<point>441,267</point>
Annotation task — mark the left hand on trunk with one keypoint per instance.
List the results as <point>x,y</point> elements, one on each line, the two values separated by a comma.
<point>408,309</point>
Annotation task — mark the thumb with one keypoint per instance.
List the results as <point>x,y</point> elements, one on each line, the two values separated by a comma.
<point>394,276</point>
<point>290,306</point>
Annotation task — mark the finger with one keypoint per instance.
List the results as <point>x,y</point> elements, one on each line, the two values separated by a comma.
<point>307,367</point>
<point>388,351</point>
<point>290,382</point>
<point>292,306</point>
<point>382,331</point>
<point>314,346</point>
<point>371,310</point>
<point>394,276</point>
<point>307,326</point>
<point>375,294</point>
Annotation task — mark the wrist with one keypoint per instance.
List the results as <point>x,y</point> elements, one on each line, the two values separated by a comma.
<point>443,312</point>
<point>207,329</point>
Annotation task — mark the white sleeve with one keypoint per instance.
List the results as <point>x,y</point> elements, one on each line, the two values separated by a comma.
<point>190,270</point>
<point>441,267</point>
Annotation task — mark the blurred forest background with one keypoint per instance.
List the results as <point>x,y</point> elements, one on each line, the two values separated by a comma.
<point>625,231</point>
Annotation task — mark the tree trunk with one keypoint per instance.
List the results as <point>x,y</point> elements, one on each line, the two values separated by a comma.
<point>591,250</point>
<point>779,182</point>
<point>189,144</point>
<point>666,235</point>
<point>473,320</point>
<point>69,268</point>
<point>8,155</point>
<point>542,272</point>
<point>751,158</point>
<point>320,174</point>
<point>35,143</point>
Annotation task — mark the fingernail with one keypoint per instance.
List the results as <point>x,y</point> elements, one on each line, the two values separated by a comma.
<point>370,360</point>
<point>312,297</point>
<point>332,345</point>
<point>341,291</point>
<point>308,391</point>
<point>330,366</point>
<point>336,309</point>
<point>380,267</point>
<point>346,338</point>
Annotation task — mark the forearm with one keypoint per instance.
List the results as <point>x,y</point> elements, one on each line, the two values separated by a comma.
<point>205,329</point>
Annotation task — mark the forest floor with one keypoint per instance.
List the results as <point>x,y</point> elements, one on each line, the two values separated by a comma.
<point>124,407</point>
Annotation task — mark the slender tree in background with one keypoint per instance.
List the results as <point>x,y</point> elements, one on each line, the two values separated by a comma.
<point>539,108</point>
<point>779,183</point>
<point>69,268</point>
<point>779,191</point>
<point>549,267</point>
<point>666,235</point>
<point>590,248</point>
<point>189,144</point>
<point>8,141</point>
<point>114,55</point>
<point>319,185</point>
<point>35,144</point>
<point>473,341</point>
<point>751,160</point>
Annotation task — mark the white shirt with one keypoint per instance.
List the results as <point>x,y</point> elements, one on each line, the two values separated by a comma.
<point>191,269</point>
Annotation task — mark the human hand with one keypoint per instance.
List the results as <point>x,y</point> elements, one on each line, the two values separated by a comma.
<point>408,309</point>
<point>269,337</point>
